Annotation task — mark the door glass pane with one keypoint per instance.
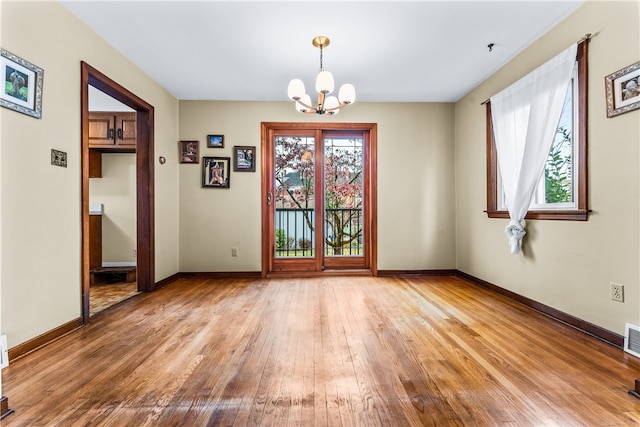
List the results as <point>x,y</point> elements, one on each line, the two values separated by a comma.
<point>294,174</point>
<point>343,194</point>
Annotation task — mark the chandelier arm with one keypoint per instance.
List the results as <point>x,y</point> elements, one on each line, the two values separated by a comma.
<point>305,105</point>
<point>343,104</point>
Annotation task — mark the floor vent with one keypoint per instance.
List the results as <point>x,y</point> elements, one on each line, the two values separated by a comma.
<point>632,339</point>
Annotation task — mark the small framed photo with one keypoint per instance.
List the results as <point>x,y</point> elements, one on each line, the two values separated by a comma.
<point>189,151</point>
<point>215,172</point>
<point>215,141</point>
<point>22,91</point>
<point>623,90</point>
<point>244,158</point>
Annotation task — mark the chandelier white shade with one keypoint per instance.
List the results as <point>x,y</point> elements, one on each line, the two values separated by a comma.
<point>324,86</point>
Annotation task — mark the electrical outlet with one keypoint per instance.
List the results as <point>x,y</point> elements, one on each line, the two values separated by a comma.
<point>617,292</point>
<point>234,252</point>
<point>135,253</point>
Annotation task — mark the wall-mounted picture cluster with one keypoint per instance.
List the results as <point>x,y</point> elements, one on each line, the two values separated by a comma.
<point>216,170</point>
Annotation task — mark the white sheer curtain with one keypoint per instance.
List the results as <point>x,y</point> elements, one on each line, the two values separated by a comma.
<point>525,119</point>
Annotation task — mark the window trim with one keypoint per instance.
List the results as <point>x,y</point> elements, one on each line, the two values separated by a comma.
<point>581,212</point>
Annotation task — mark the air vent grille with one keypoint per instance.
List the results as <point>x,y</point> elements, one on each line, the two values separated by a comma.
<point>632,339</point>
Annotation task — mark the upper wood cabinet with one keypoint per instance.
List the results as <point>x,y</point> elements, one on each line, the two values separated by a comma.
<point>112,131</point>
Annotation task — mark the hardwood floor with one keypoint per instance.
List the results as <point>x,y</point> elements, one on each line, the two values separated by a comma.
<point>328,352</point>
<point>105,295</point>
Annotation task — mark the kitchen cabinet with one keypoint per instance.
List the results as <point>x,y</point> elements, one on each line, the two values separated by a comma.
<point>112,131</point>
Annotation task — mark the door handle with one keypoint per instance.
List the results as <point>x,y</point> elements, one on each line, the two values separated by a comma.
<point>110,133</point>
<point>269,198</point>
<point>120,133</point>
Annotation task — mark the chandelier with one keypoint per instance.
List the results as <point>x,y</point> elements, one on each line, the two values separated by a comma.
<point>324,86</point>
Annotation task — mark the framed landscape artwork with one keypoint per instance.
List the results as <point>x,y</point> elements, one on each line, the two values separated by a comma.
<point>215,141</point>
<point>244,158</point>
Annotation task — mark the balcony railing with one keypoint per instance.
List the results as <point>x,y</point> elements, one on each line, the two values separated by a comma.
<point>295,238</point>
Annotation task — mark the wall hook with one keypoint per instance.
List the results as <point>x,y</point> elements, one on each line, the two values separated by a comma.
<point>490,46</point>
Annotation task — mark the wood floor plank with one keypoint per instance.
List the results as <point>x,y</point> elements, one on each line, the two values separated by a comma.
<point>369,360</point>
<point>334,399</point>
<point>321,378</point>
<point>332,351</point>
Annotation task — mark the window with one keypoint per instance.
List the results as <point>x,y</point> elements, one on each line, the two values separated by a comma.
<point>562,190</point>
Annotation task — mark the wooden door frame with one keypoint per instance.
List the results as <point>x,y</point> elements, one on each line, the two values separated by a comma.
<point>145,242</point>
<point>267,130</point>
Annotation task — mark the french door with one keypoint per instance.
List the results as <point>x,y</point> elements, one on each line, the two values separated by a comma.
<point>318,188</point>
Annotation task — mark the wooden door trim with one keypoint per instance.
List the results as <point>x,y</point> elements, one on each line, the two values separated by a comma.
<point>145,258</point>
<point>267,132</point>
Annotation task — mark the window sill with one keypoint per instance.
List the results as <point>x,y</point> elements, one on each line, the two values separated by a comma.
<point>572,215</point>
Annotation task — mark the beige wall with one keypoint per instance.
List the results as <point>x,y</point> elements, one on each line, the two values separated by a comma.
<point>116,190</point>
<point>415,184</point>
<point>566,265</point>
<point>41,223</point>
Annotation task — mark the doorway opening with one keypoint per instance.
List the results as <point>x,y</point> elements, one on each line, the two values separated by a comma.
<point>140,125</point>
<point>112,232</point>
<point>319,192</point>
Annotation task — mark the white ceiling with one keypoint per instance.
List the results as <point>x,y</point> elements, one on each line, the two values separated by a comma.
<point>409,51</point>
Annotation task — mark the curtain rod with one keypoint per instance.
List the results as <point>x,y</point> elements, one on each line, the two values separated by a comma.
<point>582,40</point>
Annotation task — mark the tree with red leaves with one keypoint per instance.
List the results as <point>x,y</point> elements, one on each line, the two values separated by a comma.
<point>295,175</point>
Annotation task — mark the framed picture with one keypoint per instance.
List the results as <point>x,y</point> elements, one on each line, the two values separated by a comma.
<point>623,90</point>
<point>215,172</point>
<point>22,89</point>
<point>215,141</point>
<point>244,159</point>
<point>189,151</point>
